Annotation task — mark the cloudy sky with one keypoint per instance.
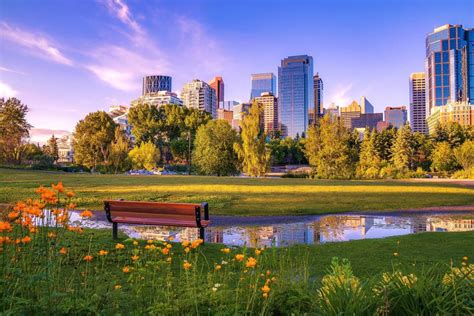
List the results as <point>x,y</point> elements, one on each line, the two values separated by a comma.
<point>67,58</point>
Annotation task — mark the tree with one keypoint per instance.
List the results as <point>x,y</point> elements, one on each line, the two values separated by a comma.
<point>423,147</point>
<point>369,162</point>
<point>14,129</point>
<point>214,149</point>
<point>146,155</point>
<point>464,155</point>
<point>453,133</point>
<point>251,151</point>
<point>194,118</point>
<point>443,158</point>
<point>92,138</point>
<point>328,149</point>
<point>119,149</point>
<point>51,148</point>
<point>147,123</point>
<point>384,142</point>
<point>403,151</point>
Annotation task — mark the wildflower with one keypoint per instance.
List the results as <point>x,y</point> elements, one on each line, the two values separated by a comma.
<point>135,243</point>
<point>196,243</point>
<point>33,230</point>
<point>13,215</point>
<point>465,258</point>
<point>117,286</point>
<point>214,289</point>
<point>103,252</point>
<point>273,279</point>
<point>135,258</point>
<point>223,262</point>
<point>86,214</point>
<point>88,258</point>
<point>63,251</point>
<point>185,243</point>
<point>169,246</point>
<point>119,246</point>
<point>225,250</point>
<point>165,251</point>
<point>149,241</point>
<point>257,252</point>
<point>71,206</point>
<point>265,289</point>
<point>251,262</point>
<point>75,229</point>
<point>5,226</point>
<point>58,187</point>
<point>171,238</point>
<point>395,254</point>
<point>269,272</point>
<point>239,257</point>
<point>265,295</point>
<point>126,269</point>
<point>168,259</point>
<point>150,247</point>
<point>218,267</point>
<point>187,249</point>
<point>70,194</point>
<point>187,265</point>
<point>26,239</point>
<point>51,235</point>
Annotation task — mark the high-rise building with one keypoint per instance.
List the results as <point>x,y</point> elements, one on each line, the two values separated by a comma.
<point>218,85</point>
<point>223,114</point>
<point>316,110</point>
<point>153,84</point>
<point>158,99</point>
<point>198,94</point>
<point>449,66</point>
<point>227,105</point>
<point>366,106</point>
<point>270,111</point>
<point>396,116</point>
<point>239,112</point>
<point>264,82</point>
<point>366,120</point>
<point>295,94</point>
<point>418,102</point>
<point>359,116</point>
<point>459,112</point>
<point>349,112</point>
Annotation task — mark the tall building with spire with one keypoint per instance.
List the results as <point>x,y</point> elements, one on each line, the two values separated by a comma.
<point>418,103</point>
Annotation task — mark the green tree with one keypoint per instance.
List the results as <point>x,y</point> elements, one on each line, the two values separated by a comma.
<point>385,140</point>
<point>146,155</point>
<point>464,155</point>
<point>179,149</point>
<point>147,123</point>
<point>251,150</point>
<point>369,162</point>
<point>119,149</point>
<point>403,151</point>
<point>214,149</point>
<point>193,119</point>
<point>453,133</point>
<point>423,145</point>
<point>92,138</point>
<point>443,158</point>
<point>328,151</point>
<point>14,129</point>
<point>51,148</point>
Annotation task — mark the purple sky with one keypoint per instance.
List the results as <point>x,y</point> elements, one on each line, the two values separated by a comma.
<point>67,58</point>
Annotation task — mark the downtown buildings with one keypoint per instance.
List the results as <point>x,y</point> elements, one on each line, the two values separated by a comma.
<point>218,85</point>
<point>264,82</point>
<point>396,116</point>
<point>200,95</point>
<point>270,111</point>
<point>418,103</point>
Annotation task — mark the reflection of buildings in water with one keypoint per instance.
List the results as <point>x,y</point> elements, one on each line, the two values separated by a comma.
<point>154,232</point>
<point>450,225</point>
<point>214,235</point>
<point>418,224</point>
<point>260,235</point>
<point>299,233</point>
<point>333,227</point>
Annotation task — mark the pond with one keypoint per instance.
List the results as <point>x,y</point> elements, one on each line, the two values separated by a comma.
<point>288,230</point>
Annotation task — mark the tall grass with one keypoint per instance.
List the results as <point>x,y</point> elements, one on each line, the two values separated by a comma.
<point>59,269</point>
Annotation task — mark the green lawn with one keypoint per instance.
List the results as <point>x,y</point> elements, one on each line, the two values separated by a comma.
<point>241,196</point>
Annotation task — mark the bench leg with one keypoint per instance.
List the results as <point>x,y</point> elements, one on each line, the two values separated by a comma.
<point>114,230</point>
<point>201,233</point>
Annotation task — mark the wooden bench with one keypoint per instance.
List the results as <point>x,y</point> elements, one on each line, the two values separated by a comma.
<point>157,213</point>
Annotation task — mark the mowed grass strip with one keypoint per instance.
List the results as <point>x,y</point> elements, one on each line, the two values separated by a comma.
<point>242,196</point>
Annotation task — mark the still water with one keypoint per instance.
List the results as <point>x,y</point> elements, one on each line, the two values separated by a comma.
<point>255,232</point>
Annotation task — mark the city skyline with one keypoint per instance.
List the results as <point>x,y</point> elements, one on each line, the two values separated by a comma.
<point>102,59</point>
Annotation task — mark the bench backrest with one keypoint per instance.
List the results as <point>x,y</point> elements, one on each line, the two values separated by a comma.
<point>179,211</point>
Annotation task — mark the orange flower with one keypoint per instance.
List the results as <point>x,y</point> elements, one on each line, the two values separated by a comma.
<point>165,251</point>
<point>265,289</point>
<point>13,215</point>
<point>119,246</point>
<point>239,257</point>
<point>103,252</point>
<point>196,243</point>
<point>88,258</point>
<point>4,240</point>
<point>187,265</point>
<point>5,226</point>
<point>257,252</point>
<point>26,239</point>
<point>63,251</point>
<point>70,194</point>
<point>218,267</point>
<point>185,243</point>
<point>117,287</point>
<point>71,206</point>
<point>251,262</point>
<point>150,247</point>
<point>126,269</point>
<point>187,249</point>
<point>225,250</point>
<point>86,214</point>
<point>51,235</point>
<point>59,187</point>
<point>135,258</point>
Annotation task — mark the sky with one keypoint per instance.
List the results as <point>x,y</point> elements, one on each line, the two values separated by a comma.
<point>65,59</point>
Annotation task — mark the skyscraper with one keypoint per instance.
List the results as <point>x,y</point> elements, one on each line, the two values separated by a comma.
<point>365,106</point>
<point>264,82</point>
<point>218,85</point>
<point>449,66</point>
<point>317,109</point>
<point>396,116</point>
<point>296,94</point>
<point>270,111</point>
<point>418,103</point>
<point>153,84</point>
<point>198,94</point>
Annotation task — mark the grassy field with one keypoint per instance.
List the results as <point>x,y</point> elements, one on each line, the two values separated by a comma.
<point>241,196</point>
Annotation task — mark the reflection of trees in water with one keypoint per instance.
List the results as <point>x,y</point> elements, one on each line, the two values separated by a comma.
<point>330,227</point>
<point>451,223</point>
<point>259,235</point>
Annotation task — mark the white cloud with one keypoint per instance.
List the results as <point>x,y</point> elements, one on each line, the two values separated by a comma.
<point>6,91</point>
<point>11,70</point>
<point>120,9</point>
<point>340,96</point>
<point>35,42</point>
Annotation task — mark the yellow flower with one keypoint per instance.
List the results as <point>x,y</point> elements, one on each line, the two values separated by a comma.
<point>265,289</point>
<point>51,235</point>
<point>119,246</point>
<point>251,262</point>
<point>218,267</point>
<point>171,238</point>
<point>265,295</point>
<point>187,249</point>
<point>149,241</point>
<point>257,252</point>
<point>126,269</point>
<point>239,257</point>
<point>135,258</point>
<point>150,247</point>
<point>465,258</point>
<point>86,214</point>
<point>225,250</point>
<point>118,287</point>
<point>169,246</point>
<point>63,251</point>
<point>168,259</point>
<point>196,243</point>
<point>103,252</point>
<point>135,243</point>
<point>88,258</point>
<point>187,265</point>
<point>395,254</point>
<point>185,243</point>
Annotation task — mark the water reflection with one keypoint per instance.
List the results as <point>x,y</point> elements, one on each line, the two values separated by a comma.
<point>330,228</point>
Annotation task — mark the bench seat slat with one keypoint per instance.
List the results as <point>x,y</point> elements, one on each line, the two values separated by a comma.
<point>158,207</point>
<point>153,215</point>
<point>158,221</point>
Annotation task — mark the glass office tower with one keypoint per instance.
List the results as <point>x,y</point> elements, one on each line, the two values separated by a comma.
<point>295,94</point>
<point>449,66</point>
<point>261,83</point>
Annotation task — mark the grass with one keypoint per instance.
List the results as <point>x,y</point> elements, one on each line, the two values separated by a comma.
<point>242,196</point>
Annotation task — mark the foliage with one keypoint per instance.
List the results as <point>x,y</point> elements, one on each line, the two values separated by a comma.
<point>453,133</point>
<point>370,162</point>
<point>328,150</point>
<point>403,151</point>
<point>147,123</point>
<point>14,130</point>
<point>287,151</point>
<point>92,139</point>
<point>251,150</point>
<point>464,155</point>
<point>146,155</point>
<point>51,148</point>
<point>385,140</point>
<point>119,149</point>
<point>214,153</point>
<point>443,158</point>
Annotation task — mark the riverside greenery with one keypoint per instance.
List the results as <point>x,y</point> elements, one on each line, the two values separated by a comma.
<point>63,269</point>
